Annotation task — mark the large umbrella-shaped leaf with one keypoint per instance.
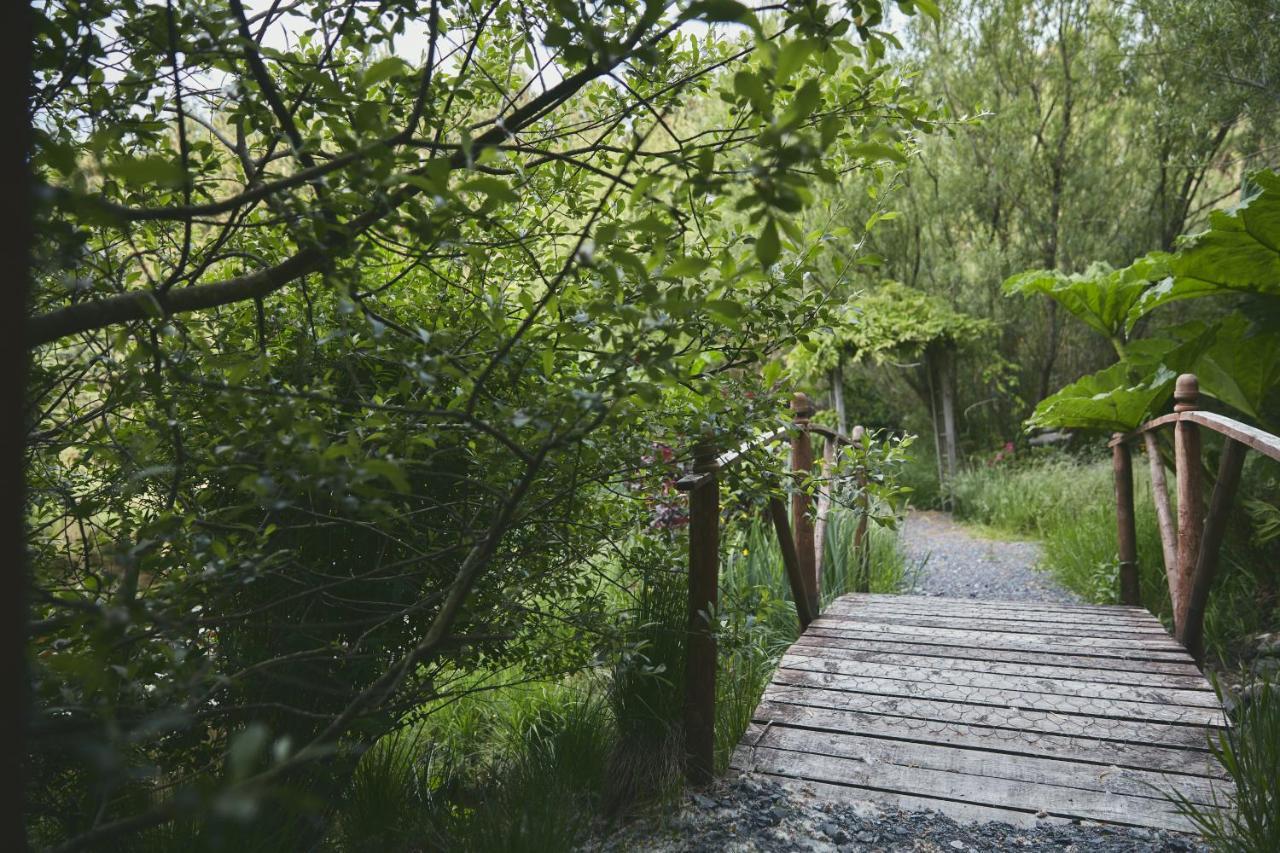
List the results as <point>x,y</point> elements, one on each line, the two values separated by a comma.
<point>1239,252</point>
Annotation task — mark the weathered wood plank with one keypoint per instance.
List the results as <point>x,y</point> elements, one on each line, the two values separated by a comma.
<point>1072,803</point>
<point>938,607</point>
<point>981,762</point>
<point>1023,719</point>
<point>1025,606</point>
<point>908,656</point>
<point>1038,683</point>
<point>1145,650</point>
<point>1080,749</point>
<point>978,654</point>
<point>1103,630</point>
<point>1059,704</point>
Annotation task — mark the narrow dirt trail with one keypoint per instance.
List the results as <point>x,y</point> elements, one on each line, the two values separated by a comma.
<point>946,559</point>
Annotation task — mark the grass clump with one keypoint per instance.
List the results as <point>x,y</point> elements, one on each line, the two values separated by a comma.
<point>1250,752</point>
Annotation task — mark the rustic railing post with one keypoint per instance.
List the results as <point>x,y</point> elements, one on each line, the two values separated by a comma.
<point>801,501</point>
<point>861,544</point>
<point>700,654</point>
<point>1190,488</point>
<point>795,576</point>
<point>1215,529</point>
<point>1126,531</point>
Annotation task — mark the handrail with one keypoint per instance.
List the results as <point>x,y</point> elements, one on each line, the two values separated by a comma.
<point>800,540</point>
<point>1260,440</point>
<point>1191,546</point>
<point>691,480</point>
<point>835,435</point>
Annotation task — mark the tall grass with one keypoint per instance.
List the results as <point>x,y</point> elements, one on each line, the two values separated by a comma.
<point>1070,506</point>
<point>1250,752</point>
<point>513,766</point>
<point>758,613</point>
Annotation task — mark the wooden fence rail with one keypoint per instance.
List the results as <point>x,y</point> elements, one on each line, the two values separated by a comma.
<point>1191,543</point>
<point>799,539</point>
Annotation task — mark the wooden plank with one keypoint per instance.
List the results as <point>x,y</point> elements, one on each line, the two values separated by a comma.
<point>921,606</point>
<point>838,650</point>
<point>1022,719</point>
<point>1165,650</point>
<point>981,762</point>
<point>1100,630</point>
<point>1003,617</point>
<point>1037,683</point>
<point>1059,704</point>
<point>977,654</point>
<point>1026,606</point>
<point>1080,749</point>
<point>1056,800</point>
<point>1154,423</point>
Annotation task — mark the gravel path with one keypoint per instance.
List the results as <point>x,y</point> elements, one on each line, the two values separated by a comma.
<point>749,814</point>
<point>947,560</point>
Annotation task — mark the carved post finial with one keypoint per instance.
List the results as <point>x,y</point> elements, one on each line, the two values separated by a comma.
<point>1186,393</point>
<point>802,407</point>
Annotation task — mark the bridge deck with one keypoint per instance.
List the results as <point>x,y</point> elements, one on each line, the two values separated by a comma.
<point>991,710</point>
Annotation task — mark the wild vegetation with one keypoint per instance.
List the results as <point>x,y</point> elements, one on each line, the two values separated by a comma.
<point>367,342</point>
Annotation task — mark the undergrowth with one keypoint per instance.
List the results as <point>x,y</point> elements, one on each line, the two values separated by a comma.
<point>1069,505</point>
<point>1250,752</point>
<point>528,766</point>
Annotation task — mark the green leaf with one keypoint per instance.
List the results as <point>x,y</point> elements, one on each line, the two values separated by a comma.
<point>147,170</point>
<point>384,69</point>
<point>803,104</point>
<point>724,11</point>
<point>929,8</point>
<point>1106,400</point>
<point>1239,252</point>
<point>878,151</point>
<point>726,309</point>
<point>686,265</point>
<point>1101,297</point>
<point>390,471</point>
<point>791,57</point>
<point>768,246</point>
<point>1242,366</point>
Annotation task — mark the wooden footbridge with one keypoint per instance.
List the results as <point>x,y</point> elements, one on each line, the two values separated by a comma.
<point>985,710</point>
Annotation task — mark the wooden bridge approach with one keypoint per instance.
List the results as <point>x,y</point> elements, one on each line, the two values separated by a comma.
<point>990,710</point>
<point>985,710</point>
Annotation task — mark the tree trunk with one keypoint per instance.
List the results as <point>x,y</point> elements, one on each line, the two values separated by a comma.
<point>837,396</point>
<point>946,377</point>
<point>16,241</point>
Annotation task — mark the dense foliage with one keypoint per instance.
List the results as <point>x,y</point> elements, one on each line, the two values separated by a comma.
<point>1236,354</point>
<point>1093,132</point>
<point>353,367</point>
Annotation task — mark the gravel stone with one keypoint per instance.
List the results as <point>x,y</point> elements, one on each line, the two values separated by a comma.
<point>801,821</point>
<point>945,559</point>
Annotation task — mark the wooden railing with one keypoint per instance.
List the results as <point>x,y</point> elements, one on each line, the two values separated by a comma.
<point>1191,543</point>
<point>800,538</point>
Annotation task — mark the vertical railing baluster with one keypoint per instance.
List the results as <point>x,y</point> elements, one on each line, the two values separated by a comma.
<point>802,409</point>
<point>1126,529</point>
<point>1190,489</point>
<point>700,653</point>
<point>1215,529</point>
